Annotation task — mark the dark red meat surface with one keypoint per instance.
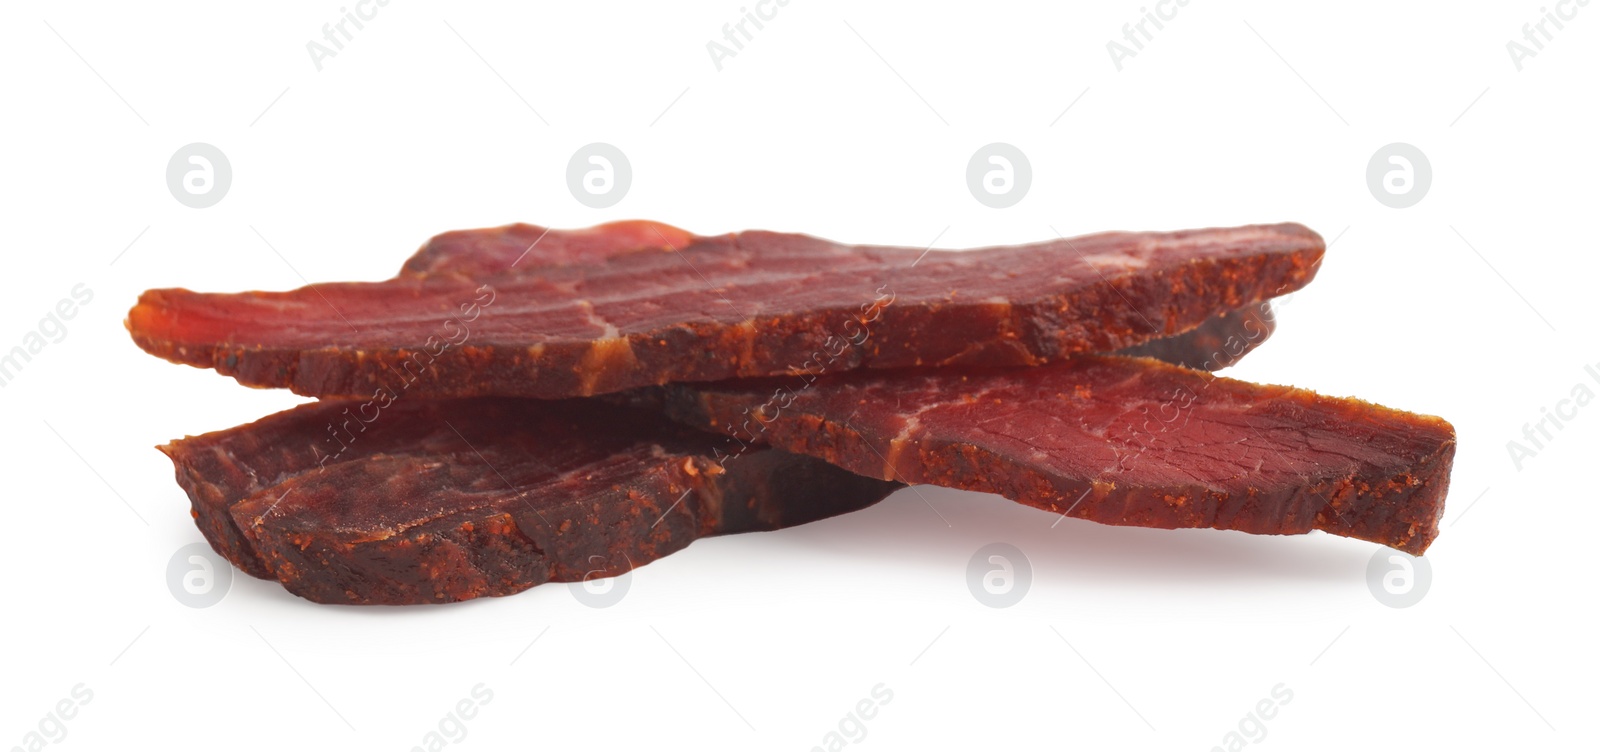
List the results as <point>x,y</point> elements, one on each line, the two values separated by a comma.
<point>748,304</point>
<point>1122,441</point>
<point>429,501</point>
<point>528,250</point>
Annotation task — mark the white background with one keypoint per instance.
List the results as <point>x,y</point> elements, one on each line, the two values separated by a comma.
<point>854,122</point>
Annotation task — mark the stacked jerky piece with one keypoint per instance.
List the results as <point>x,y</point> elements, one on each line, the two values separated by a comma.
<point>444,500</point>
<point>418,508</point>
<point>732,306</point>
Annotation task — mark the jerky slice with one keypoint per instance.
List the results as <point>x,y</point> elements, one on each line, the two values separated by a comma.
<point>1122,441</point>
<point>524,250</point>
<point>751,304</point>
<point>439,501</point>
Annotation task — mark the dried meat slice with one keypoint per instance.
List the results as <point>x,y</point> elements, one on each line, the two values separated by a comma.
<point>431,501</point>
<point>528,250</point>
<point>1122,441</point>
<point>750,304</point>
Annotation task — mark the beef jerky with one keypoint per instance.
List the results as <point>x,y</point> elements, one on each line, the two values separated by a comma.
<point>426,501</point>
<point>1122,441</point>
<point>528,250</point>
<point>749,304</point>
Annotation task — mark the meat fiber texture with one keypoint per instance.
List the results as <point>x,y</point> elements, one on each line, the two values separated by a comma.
<point>692,308</point>
<point>1122,441</point>
<point>524,250</point>
<point>432,501</point>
